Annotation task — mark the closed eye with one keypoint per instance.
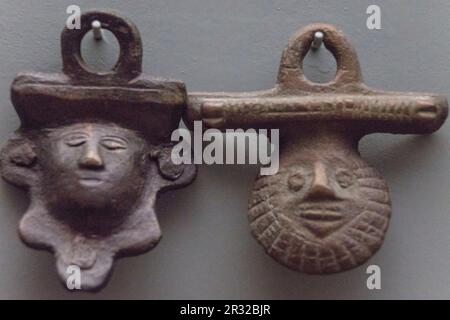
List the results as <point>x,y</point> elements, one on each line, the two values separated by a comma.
<point>75,141</point>
<point>113,144</point>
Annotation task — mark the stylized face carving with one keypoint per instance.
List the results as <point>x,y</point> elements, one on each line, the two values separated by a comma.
<point>92,167</point>
<point>93,185</point>
<point>93,188</point>
<point>321,213</point>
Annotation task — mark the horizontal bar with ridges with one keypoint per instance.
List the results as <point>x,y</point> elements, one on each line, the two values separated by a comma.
<point>220,112</point>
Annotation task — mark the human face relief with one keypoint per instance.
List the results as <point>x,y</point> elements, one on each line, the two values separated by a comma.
<point>322,195</point>
<point>93,166</point>
<point>321,213</point>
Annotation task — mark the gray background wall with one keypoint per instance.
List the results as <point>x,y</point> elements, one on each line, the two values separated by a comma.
<point>207,250</point>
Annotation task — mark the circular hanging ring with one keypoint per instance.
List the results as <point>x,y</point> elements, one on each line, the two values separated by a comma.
<point>291,74</point>
<point>129,64</point>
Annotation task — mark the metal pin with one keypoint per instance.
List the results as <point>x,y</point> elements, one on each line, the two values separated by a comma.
<point>97,29</point>
<point>318,39</point>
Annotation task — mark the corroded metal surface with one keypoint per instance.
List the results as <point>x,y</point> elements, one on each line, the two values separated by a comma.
<point>93,150</point>
<point>326,210</point>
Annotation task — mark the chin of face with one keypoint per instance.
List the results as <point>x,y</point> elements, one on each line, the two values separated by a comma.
<point>93,211</point>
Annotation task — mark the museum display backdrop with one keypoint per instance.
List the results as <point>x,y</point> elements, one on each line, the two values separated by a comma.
<point>207,250</point>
